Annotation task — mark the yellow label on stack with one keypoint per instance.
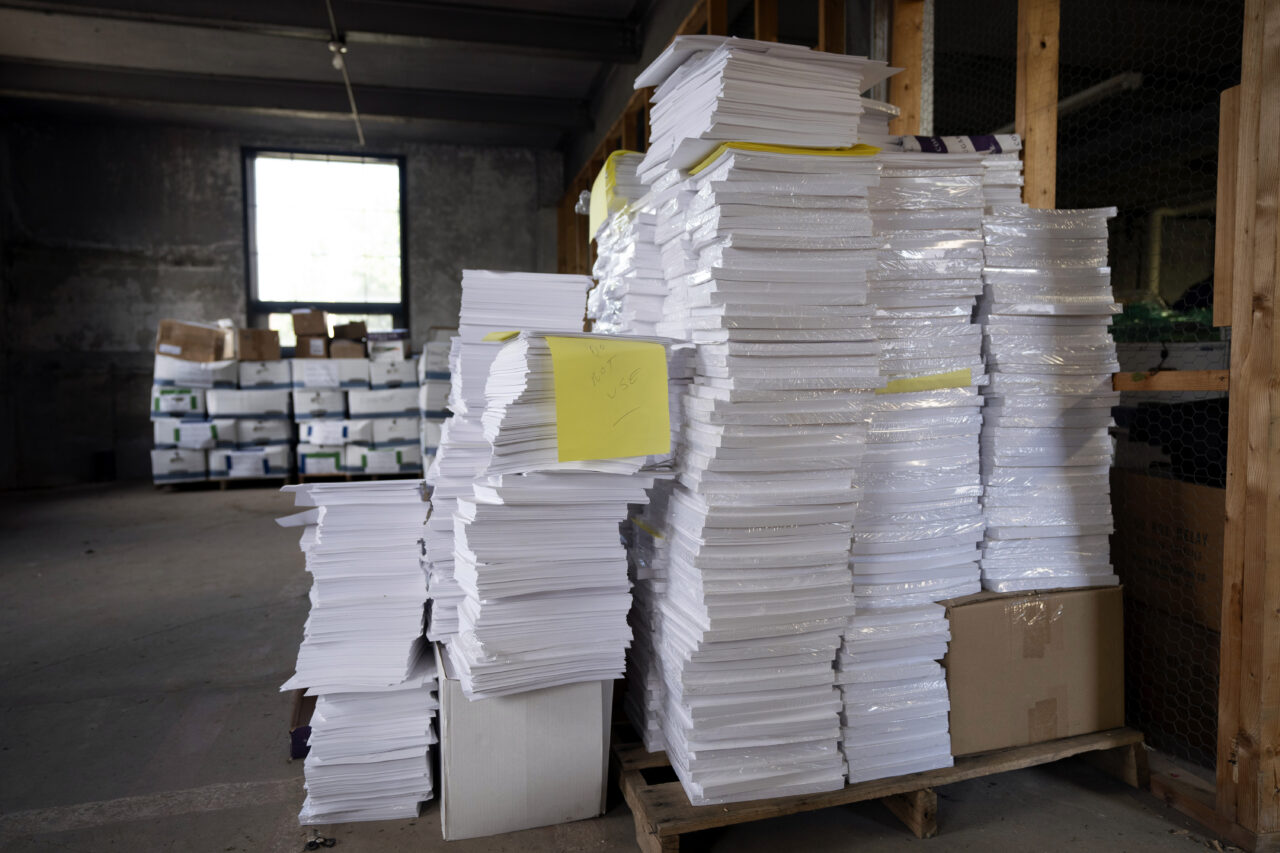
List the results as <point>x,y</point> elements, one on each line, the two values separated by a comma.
<point>934,382</point>
<point>500,336</point>
<point>611,398</point>
<point>859,150</point>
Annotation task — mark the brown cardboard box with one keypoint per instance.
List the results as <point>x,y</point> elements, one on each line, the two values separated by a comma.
<point>340,348</point>
<point>312,347</point>
<point>1170,554</point>
<point>351,331</point>
<point>310,323</point>
<point>1029,667</point>
<point>195,341</point>
<point>257,345</point>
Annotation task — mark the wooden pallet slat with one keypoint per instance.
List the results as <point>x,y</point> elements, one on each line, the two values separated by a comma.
<point>1172,380</point>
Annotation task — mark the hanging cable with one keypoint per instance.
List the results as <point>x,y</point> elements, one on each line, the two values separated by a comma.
<point>338,47</point>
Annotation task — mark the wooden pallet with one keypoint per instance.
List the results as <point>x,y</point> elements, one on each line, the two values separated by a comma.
<point>663,812</point>
<point>222,485</point>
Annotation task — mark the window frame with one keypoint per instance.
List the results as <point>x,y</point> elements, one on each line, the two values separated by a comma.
<point>258,310</point>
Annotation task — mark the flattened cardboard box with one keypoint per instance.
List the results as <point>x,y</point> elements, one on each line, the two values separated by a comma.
<point>1025,668</point>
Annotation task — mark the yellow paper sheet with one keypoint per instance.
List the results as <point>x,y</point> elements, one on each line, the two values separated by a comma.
<point>611,398</point>
<point>859,150</point>
<point>934,382</point>
<point>500,336</point>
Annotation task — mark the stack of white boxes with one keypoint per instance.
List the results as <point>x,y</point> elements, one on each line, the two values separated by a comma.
<point>320,388</point>
<point>433,395</point>
<point>390,402</point>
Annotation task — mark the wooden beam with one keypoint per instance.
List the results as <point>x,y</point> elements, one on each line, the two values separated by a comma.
<point>1036,108</point>
<point>906,50</point>
<point>1172,380</point>
<point>766,16</point>
<point>917,809</point>
<point>695,22</point>
<point>1224,244</point>
<point>717,17</point>
<point>1248,789</point>
<point>831,26</point>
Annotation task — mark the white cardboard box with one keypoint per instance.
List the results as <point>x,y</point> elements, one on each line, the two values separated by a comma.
<point>358,459</point>
<point>265,374</point>
<point>178,465</point>
<point>434,361</point>
<point>173,401</point>
<point>433,398</point>
<point>386,403</point>
<point>257,403</point>
<point>516,762</point>
<point>335,433</point>
<point>397,350</point>
<point>330,372</point>
<point>430,437</point>
<point>395,431</point>
<point>318,403</point>
<point>271,461</point>
<point>194,374</point>
<point>252,432</point>
<point>194,435</point>
<point>314,459</point>
<point>393,374</point>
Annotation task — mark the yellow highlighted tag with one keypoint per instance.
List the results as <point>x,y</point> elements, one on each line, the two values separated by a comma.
<point>859,150</point>
<point>500,336</point>
<point>955,379</point>
<point>605,200</point>
<point>640,522</point>
<point>611,398</point>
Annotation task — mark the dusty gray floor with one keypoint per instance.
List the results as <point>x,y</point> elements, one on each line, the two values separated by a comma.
<point>143,638</point>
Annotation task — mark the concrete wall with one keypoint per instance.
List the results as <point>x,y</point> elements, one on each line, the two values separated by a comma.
<point>108,228</point>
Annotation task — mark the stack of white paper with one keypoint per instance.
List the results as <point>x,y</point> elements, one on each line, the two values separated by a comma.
<point>712,89</point>
<point>873,127</point>
<point>1046,449</point>
<point>491,302</point>
<point>649,555</point>
<point>362,650</point>
<point>630,288</point>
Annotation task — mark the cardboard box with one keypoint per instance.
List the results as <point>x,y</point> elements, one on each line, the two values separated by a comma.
<point>434,362</point>
<point>270,461</point>
<point>254,432</point>
<point>389,346</point>
<point>315,459</point>
<point>391,432</point>
<point>1170,553</point>
<point>1029,667</point>
<point>194,435</point>
<point>331,373</point>
<point>194,374</point>
<point>433,399</point>
<point>355,331</point>
<point>265,374</point>
<point>346,349</point>
<point>178,465</point>
<point>173,401</point>
<point>311,346</point>
<point>362,459</point>
<point>393,374</point>
<point>256,403</point>
<point>430,438</point>
<point>335,433</point>
<point>319,403</point>
<point>195,341</point>
<point>257,345</point>
<point>310,322</point>
<point>387,402</point>
<point>517,762</point>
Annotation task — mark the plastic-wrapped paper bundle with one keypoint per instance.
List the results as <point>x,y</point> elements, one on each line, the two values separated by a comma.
<point>362,652</point>
<point>630,290</point>
<point>369,751</point>
<point>491,302</point>
<point>538,551</point>
<point>712,89</point>
<point>1046,447</point>
<point>770,252</point>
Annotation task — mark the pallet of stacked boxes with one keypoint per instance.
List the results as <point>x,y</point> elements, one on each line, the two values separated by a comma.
<point>257,457</point>
<point>395,448</point>
<point>190,360</point>
<point>433,395</point>
<point>320,387</point>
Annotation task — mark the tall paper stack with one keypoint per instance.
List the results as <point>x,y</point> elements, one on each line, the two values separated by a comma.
<point>630,290</point>
<point>1046,449</point>
<point>362,651</point>
<point>491,302</point>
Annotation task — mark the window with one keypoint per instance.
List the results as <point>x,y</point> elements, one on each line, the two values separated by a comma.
<point>325,230</point>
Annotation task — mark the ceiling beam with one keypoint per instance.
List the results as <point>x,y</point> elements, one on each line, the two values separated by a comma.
<point>281,97</point>
<point>378,21</point>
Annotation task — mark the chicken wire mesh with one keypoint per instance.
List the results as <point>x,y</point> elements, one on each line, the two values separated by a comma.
<point>1139,85</point>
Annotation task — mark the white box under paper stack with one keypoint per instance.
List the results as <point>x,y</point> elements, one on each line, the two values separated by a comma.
<point>346,373</point>
<point>393,374</point>
<point>491,302</point>
<point>766,255</point>
<point>266,374</point>
<point>253,403</point>
<point>1046,447</point>
<point>179,465</point>
<point>255,432</point>
<point>325,403</point>
<point>252,463</point>
<point>362,652</point>
<point>194,435</point>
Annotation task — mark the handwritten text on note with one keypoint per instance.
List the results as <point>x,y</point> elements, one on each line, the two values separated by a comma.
<point>611,398</point>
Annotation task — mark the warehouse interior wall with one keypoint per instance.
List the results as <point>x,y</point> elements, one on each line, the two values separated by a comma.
<point>107,228</point>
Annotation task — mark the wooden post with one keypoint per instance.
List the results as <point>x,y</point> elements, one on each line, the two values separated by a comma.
<point>831,26</point>
<point>1224,243</point>
<point>1248,788</point>
<point>766,14</point>
<point>717,17</point>
<point>906,50</point>
<point>1036,110</point>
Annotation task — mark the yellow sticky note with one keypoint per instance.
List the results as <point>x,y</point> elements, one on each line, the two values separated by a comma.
<point>500,336</point>
<point>611,398</point>
<point>934,382</point>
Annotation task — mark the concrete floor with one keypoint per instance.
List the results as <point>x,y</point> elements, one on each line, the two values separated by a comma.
<point>143,639</point>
